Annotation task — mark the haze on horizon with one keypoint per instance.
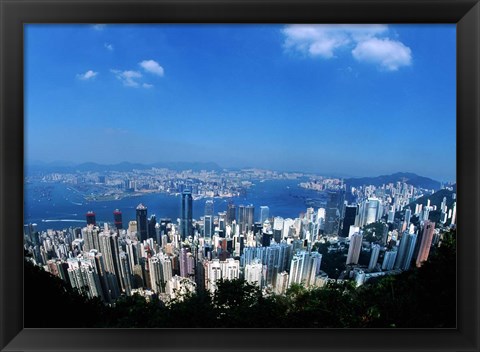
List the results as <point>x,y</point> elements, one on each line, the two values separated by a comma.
<point>358,100</point>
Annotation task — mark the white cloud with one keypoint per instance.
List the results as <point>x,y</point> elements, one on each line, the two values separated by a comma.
<point>147,85</point>
<point>389,54</point>
<point>128,78</point>
<point>152,66</point>
<point>370,43</point>
<point>87,75</point>
<point>108,46</point>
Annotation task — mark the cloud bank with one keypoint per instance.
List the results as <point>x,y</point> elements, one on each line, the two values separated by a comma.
<point>366,43</point>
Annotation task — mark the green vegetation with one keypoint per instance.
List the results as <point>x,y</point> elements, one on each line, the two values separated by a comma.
<point>373,232</point>
<point>421,298</point>
<point>333,263</point>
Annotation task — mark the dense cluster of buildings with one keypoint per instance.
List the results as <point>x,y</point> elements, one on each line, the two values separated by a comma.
<point>169,259</point>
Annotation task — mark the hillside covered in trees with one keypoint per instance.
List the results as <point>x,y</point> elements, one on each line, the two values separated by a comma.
<point>424,297</point>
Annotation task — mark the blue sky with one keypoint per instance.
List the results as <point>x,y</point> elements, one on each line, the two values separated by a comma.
<point>354,100</point>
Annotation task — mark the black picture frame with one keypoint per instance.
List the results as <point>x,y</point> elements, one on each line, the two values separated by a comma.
<point>16,13</point>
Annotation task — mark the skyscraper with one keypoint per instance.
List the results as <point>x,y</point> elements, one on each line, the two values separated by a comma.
<point>374,256</point>
<point>208,219</point>
<point>231,216</point>
<point>424,250</point>
<point>142,225</point>
<point>410,247</point>
<point>241,218</point>
<point>408,215</point>
<point>249,213</point>
<point>117,218</point>
<point>264,213</point>
<point>349,219</point>
<point>186,219</point>
<point>354,248</point>
<point>91,218</point>
<point>152,222</point>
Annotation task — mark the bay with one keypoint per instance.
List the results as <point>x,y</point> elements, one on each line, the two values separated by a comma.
<point>58,206</point>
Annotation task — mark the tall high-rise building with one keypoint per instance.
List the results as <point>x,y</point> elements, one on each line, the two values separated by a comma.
<point>411,239</point>
<point>354,248</point>
<point>249,214</point>
<point>254,273</point>
<point>373,210</point>
<point>389,260</point>
<point>349,219</point>
<point>208,220</point>
<point>91,218</point>
<point>142,224</point>
<point>264,213</point>
<point>374,256</point>
<point>209,207</point>
<point>231,213</point>
<point>241,218</point>
<point>152,222</point>
<point>117,219</point>
<point>424,250</point>
<point>408,215</point>
<point>111,255</point>
<point>402,250</point>
<point>186,227</point>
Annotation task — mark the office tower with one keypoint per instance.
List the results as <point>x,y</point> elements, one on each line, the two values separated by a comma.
<point>374,256</point>
<point>349,219</point>
<point>117,219</point>
<point>411,240</point>
<point>91,218</point>
<point>249,213</point>
<point>231,213</point>
<point>373,210</point>
<point>277,229</point>
<point>389,260</point>
<point>125,273</point>
<point>253,273</point>
<point>264,213</point>
<point>111,256</point>
<point>354,248</point>
<point>426,242</point>
<point>186,228</point>
<point>402,250</point>
<point>222,219</point>
<point>241,218</point>
<point>209,207</point>
<point>208,220</point>
<point>272,255</point>
<point>142,225</point>
<point>332,218</point>
<point>408,215</point>
<point>152,222</point>
<point>391,215</point>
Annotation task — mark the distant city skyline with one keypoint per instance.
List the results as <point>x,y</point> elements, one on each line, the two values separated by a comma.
<point>359,100</point>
